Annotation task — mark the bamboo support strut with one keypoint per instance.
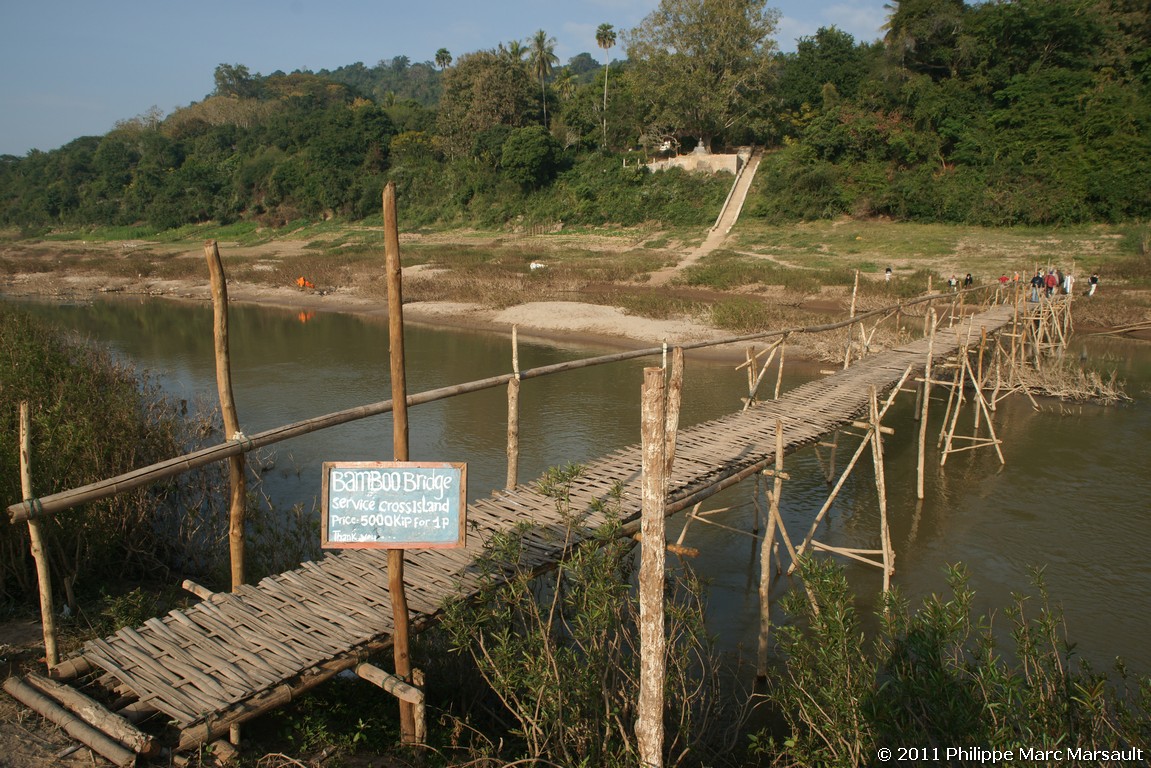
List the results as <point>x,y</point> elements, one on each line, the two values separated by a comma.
<point>850,465</point>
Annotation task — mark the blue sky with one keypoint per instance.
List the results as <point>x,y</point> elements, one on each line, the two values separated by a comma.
<point>74,67</point>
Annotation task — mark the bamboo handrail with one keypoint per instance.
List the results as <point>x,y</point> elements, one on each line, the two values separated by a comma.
<point>102,489</point>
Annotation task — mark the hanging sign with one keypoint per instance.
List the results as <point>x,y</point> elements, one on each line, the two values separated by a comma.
<point>393,504</point>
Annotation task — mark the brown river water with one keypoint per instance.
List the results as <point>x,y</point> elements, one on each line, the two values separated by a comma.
<point>1072,497</point>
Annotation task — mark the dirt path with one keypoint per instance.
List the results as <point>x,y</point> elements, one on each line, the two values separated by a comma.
<point>727,219</point>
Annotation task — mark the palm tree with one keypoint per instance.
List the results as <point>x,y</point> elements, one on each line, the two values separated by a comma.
<point>543,58</point>
<point>605,38</point>
<point>443,58</point>
<point>513,51</point>
<point>565,84</point>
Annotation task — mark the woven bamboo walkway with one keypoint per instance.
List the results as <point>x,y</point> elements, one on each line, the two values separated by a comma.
<point>227,657</point>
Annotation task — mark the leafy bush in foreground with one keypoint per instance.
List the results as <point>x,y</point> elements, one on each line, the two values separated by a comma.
<point>91,418</point>
<point>937,677</point>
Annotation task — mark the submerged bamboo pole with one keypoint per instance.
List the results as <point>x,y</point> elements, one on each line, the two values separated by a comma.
<point>39,550</point>
<point>237,482</point>
<point>400,646</point>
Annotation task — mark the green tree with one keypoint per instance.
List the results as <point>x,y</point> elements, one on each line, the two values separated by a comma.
<point>923,35</point>
<point>235,80</point>
<point>543,58</point>
<point>705,65</point>
<point>443,58</point>
<point>482,90</point>
<point>530,156</point>
<point>605,38</point>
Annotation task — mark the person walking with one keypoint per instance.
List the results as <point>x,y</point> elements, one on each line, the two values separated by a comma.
<point>1092,283</point>
<point>1036,285</point>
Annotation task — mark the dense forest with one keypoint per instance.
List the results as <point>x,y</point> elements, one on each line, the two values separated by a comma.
<point>996,113</point>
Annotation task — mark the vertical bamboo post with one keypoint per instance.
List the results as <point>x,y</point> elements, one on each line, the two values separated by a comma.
<point>750,355</point>
<point>920,391</point>
<point>765,546</point>
<point>851,328</point>
<point>236,480</point>
<point>773,519</point>
<point>881,489</point>
<point>649,715</point>
<point>400,646</point>
<point>512,479</point>
<point>978,375</point>
<point>925,394</point>
<point>36,535</point>
<point>674,398</point>
<point>779,370</point>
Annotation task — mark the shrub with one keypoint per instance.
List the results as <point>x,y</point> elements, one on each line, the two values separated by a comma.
<point>560,651</point>
<point>91,418</point>
<point>936,677</point>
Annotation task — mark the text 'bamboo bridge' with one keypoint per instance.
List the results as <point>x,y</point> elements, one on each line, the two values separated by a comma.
<point>236,655</point>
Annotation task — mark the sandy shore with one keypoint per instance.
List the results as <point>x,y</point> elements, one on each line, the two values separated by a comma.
<point>570,321</point>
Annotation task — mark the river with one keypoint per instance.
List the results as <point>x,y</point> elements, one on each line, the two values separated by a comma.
<point>1071,498</point>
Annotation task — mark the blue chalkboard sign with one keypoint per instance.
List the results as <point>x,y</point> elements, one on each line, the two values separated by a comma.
<point>393,504</point>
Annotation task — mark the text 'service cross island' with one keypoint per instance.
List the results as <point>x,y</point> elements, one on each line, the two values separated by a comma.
<point>394,504</point>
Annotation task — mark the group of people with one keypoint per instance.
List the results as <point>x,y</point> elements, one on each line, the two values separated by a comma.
<point>1053,282</point>
<point>1056,282</point>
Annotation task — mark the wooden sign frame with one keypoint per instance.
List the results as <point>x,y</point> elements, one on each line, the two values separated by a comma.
<point>393,505</point>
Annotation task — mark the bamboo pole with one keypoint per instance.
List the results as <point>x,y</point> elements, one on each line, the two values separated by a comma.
<point>850,465</point>
<point>847,349</point>
<point>38,545</point>
<point>400,647</point>
<point>114,725</point>
<point>674,400</point>
<point>765,596</point>
<point>881,489</point>
<point>236,479</point>
<point>97,741</point>
<point>779,370</point>
<point>925,397</point>
<point>649,706</point>
<point>512,479</point>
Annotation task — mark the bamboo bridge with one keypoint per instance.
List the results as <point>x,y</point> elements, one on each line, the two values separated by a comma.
<point>200,671</point>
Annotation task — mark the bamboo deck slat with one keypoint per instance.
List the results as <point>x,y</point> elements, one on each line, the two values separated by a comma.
<point>197,664</point>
